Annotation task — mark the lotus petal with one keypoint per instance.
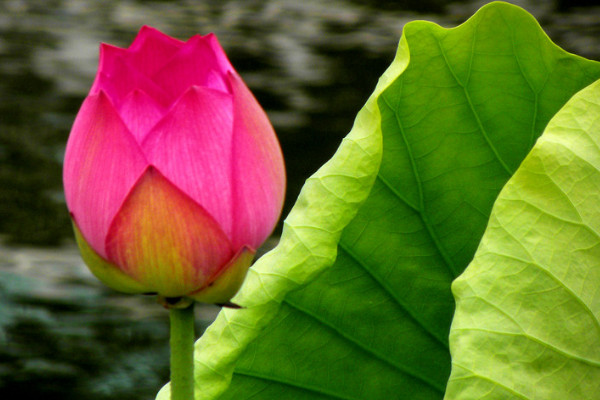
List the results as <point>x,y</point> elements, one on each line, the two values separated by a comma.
<point>194,64</point>
<point>118,79</point>
<point>102,163</point>
<point>165,240</point>
<point>258,170</point>
<point>191,146</point>
<point>151,50</point>
<point>221,56</point>
<point>140,113</point>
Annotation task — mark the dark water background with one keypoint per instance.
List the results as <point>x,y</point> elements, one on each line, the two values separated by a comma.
<point>311,63</point>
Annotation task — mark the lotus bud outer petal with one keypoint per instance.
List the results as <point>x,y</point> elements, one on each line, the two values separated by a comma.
<point>165,240</point>
<point>106,272</point>
<point>102,163</point>
<point>258,169</point>
<point>226,285</point>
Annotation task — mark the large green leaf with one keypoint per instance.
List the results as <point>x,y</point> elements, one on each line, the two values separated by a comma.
<point>528,306</point>
<point>457,112</point>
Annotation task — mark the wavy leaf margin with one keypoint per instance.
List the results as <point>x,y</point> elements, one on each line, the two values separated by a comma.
<point>328,201</point>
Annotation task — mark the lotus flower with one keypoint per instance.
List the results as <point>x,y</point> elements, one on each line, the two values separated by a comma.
<point>173,174</point>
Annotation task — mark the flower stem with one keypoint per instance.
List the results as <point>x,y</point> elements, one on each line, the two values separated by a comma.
<point>182,353</point>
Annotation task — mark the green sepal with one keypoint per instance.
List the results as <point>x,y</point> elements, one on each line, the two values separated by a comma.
<point>222,289</point>
<point>107,272</point>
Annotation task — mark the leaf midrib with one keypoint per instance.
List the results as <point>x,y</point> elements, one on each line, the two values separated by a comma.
<point>255,375</point>
<point>420,208</point>
<point>441,340</point>
<point>486,137</point>
<point>366,348</point>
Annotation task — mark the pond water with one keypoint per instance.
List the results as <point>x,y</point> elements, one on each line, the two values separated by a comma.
<point>311,63</point>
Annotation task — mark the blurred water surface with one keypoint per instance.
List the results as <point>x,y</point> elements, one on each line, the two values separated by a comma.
<point>311,64</point>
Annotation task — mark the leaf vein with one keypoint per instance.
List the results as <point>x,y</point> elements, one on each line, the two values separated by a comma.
<point>321,391</point>
<point>535,339</point>
<point>365,348</point>
<point>552,276</point>
<point>535,92</point>
<point>384,285</point>
<point>486,137</point>
<point>485,378</point>
<point>420,209</point>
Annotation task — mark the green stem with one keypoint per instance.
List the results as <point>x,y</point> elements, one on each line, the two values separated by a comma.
<point>182,353</point>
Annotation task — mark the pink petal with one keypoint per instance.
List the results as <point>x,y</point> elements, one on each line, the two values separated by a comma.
<point>140,113</point>
<point>102,163</point>
<point>151,50</point>
<point>224,63</point>
<point>107,63</point>
<point>191,146</point>
<point>194,64</point>
<point>258,169</point>
<point>118,78</point>
<point>165,240</point>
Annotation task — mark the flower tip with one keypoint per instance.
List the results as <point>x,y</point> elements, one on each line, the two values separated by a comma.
<point>107,53</point>
<point>208,39</point>
<point>217,49</point>
<point>211,36</point>
<point>146,28</point>
<point>101,98</point>
<point>149,36</point>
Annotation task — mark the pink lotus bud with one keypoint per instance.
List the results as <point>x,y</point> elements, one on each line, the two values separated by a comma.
<point>173,174</point>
